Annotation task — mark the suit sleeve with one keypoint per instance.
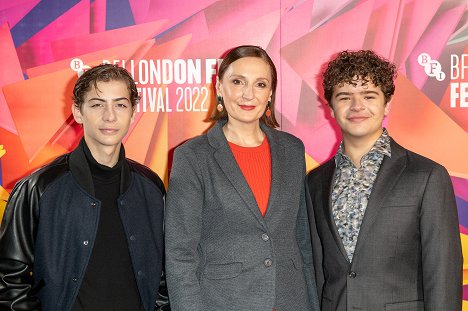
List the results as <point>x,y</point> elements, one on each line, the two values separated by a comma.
<point>17,233</point>
<point>183,229</point>
<point>304,240</point>
<point>316,243</point>
<point>441,248</point>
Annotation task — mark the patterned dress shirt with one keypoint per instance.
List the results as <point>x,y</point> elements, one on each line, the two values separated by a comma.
<point>352,188</point>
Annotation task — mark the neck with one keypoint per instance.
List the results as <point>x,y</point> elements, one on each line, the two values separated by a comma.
<point>356,147</point>
<point>246,135</point>
<point>105,155</point>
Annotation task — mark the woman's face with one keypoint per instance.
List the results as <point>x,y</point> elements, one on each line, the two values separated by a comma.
<point>246,88</point>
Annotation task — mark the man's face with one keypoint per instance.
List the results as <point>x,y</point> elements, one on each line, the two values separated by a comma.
<point>359,111</point>
<point>106,115</point>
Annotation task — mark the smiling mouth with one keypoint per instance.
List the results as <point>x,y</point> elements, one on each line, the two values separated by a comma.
<point>246,107</point>
<point>357,118</point>
<point>108,131</point>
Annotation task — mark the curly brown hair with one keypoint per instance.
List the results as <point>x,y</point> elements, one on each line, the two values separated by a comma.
<point>249,51</point>
<point>103,73</point>
<point>363,65</point>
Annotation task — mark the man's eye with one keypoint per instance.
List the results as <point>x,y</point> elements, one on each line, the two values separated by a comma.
<point>262,84</point>
<point>236,81</point>
<point>122,105</point>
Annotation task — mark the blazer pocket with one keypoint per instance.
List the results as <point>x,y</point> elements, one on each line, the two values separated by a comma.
<point>400,201</point>
<point>416,305</point>
<point>222,271</point>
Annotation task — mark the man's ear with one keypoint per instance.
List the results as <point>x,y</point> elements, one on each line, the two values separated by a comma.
<point>77,114</point>
<point>133,113</point>
<point>387,107</point>
<point>332,112</point>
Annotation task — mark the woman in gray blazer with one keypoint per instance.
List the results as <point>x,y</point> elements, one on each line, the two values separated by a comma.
<point>237,236</point>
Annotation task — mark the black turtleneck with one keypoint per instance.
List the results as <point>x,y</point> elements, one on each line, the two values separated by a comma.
<point>109,282</point>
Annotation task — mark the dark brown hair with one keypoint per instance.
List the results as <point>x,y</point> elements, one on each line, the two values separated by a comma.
<point>363,65</point>
<point>103,73</point>
<point>249,51</point>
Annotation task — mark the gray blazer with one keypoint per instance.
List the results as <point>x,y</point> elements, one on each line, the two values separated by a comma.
<point>221,254</point>
<point>408,254</point>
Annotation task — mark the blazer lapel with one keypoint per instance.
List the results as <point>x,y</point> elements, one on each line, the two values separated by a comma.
<point>388,175</point>
<point>231,169</point>
<point>327,186</point>
<point>277,167</point>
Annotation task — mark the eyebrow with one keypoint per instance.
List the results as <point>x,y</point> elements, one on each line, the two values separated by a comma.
<point>114,99</point>
<point>349,93</point>
<point>242,76</point>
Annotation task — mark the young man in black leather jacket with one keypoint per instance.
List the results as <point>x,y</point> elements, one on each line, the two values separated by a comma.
<point>85,232</point>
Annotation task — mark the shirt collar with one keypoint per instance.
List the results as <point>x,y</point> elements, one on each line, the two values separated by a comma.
<point>381,146</point>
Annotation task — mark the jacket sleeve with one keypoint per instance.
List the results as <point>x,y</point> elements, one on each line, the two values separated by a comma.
<point>440,241</point>
<point>162,302</point>
<point>304,241</point>
<point>183,223</point>
<point>17,235</point>
<point>316,243</point>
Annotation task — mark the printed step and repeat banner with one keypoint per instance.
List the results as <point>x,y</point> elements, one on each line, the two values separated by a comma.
<point>171,47</point>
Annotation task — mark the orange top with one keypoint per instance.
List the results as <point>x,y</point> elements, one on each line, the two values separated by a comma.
<point>255,165</point>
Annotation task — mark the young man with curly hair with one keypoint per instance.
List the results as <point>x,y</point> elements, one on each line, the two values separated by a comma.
<point>383,219</point>
<point>85,232</point>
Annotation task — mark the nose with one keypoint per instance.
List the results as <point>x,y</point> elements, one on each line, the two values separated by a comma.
<point>356,104</point>
<point>248,92</point>
<point>109,114</point>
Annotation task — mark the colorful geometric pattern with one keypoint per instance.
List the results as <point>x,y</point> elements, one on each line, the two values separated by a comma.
<point>43,41</point>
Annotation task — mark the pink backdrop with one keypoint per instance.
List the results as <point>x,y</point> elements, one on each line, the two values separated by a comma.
<point>171,46</point>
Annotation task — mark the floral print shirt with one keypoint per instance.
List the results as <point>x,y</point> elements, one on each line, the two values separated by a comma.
<point>352,189</point>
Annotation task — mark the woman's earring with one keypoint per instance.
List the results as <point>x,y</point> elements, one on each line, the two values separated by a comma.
<point>220,106</point>
<point>268,111</point>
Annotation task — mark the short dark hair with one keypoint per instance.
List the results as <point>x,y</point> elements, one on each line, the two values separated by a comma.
<point>103,73</point>
<point>363,65</point>
<point>249,51</point>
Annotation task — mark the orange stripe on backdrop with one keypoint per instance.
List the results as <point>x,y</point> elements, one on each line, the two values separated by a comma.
<point>421,126</point>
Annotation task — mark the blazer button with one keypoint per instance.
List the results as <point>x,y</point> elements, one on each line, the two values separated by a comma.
<point>75,279</point>
<point>265,237</point>
<point>85,242</point>
<point>268,262</point>
<point>93,204</point>
<point>132,238</point>
<point>122,202</point>
<point>352,274</point>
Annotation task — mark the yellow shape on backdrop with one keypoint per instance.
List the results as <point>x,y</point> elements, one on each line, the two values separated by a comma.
<point>310,163</point>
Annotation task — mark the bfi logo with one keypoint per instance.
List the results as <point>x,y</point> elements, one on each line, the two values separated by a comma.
<point>78,66</point>
<point>458,67</point>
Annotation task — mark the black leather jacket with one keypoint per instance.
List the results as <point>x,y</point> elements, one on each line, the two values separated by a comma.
<point>51,213</point>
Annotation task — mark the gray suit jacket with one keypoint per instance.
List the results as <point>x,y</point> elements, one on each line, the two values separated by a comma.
<point>221,254</point>
<point>408,254</point>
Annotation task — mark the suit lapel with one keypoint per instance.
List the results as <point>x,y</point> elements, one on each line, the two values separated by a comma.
<point>277,168</point>
<point>231,169</point>
<point>389,173</point>
<point>327,186</point>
